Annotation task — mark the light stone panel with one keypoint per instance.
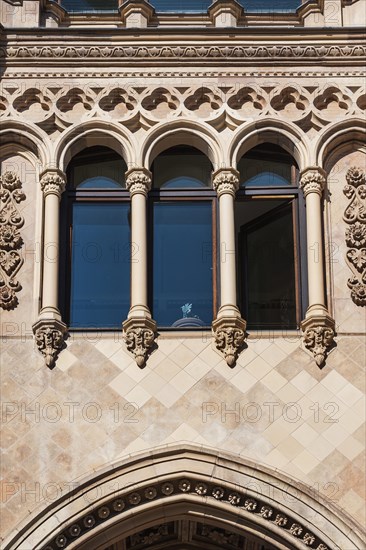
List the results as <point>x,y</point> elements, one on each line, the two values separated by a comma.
<point>88,413</point>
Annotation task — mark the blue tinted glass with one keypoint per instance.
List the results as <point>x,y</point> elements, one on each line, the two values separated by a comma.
<point>202,5</point>
<point>270,5</point>
<point>90,5</point>
<point>99,173</point>
<point>182,264</point>
<point>261,172</point>
<point>100,272</point>
<point>180,168</point>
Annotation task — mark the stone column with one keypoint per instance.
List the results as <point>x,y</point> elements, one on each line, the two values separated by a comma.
<point>318,326</point>
<point>139,329</point>
<point>49,330</point>
<point>228,327</point>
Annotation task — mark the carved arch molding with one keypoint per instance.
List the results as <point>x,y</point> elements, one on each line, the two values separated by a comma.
<point>205,498</point>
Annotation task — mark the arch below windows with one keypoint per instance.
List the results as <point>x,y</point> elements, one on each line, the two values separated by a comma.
<point>339,140</point>
<point>205,485</point>
<point>23,139</point>
<point>181,133</point>
<point>94,133</point>
<point>277,132</point>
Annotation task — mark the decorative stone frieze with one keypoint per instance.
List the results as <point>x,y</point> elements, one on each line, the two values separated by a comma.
<point>11,220</point>
<point>139,336</point>
<point>355,217</point>
<point>257,508</point>
<point>49,336</point>
<point>53,182</point>
<point>319,332</point>
<point>313,181</point>
<point>229,335</point>
<point>226,181</point>
<point>138,181</point>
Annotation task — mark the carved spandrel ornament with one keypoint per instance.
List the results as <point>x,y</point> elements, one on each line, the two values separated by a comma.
<point>139,341</point>
<point>11,242</point>
<point>50,337</point>
<point>319,337</point>
<point>355,217</point>
<point>229,335</point>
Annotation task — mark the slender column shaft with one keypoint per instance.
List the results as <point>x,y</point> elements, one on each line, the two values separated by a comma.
<point>53,184</point>
<point>312,183</point>
<point>139,251</point>
<point>227,250</point>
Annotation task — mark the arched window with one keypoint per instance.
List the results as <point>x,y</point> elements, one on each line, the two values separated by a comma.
<point>269,219</point>
<point>96,227</point>
<point>183,239</point>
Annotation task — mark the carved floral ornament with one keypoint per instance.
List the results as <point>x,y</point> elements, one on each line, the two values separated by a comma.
<point>139,341</point>
<point>355,218</point>
<point>138,181</point>
<point>53,182</point>
<point>226,181</point>
<point>49,337</point>
<point>208,491</point>
<point>11,241</point>
<point>313,181</point>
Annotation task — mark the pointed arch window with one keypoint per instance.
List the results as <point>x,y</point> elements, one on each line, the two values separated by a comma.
<point>182,214</point>
<point>96,229</point>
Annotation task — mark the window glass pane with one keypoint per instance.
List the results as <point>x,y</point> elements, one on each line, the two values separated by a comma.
<point>90,5</point>
<point>100,270</point>
<point>182,168</point>
<point>98,168</point>
<point>267,264</point>
<point>266,165</point>
<point>182,264</point>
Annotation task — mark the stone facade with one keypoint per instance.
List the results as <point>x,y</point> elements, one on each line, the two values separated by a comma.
<point>189,448</point>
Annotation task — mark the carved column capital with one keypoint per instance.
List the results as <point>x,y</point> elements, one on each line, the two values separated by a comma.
<point>139,335</point>
<point>226,180</point>
<point>312,180</point>
<point>53,182</point>
<point>318,336</point>
<point>50,337</point>
<point>229,335</point>
<point>138,180</point>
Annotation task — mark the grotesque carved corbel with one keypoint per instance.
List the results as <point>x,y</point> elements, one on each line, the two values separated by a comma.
<point>355,217</point>
<point>10,239</point>
<point>319,335</point>
<point>49,336</point>
<point>139,337</point>
<point>229,335</point>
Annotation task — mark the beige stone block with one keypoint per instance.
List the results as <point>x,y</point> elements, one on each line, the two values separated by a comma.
<point>335,434</point>
<point>167,369</point>
<point>153,383</point>
<point>258,367</point>
<point>276,459</point>
<point>108,346</point>
<point>182,381</point>
<point>305,434</point>
<point>185,433</point>
<point>305,462</point>
<point>349,394</point>
<point>290,447</point>
<point>258,345</point>
<point>289,394</point>
<point>182,356</point>
<point>122,384</point>
<point>121,359</point>
<point>273,355</point>
<point>321,448</point>
<point>351,501</point>
<point>289,344</point>
<point>350,421</point>
<point>211,357</point>
<point>66,360</point>
<point>137,374</point>
<point>197,345</point>
<point>138,395</point>
<point>168,345</point>
<point>274,381</point>
<point>278,431</point>
<point>334,382</point>
<point>168,395</point>
<point>304,382</point>
<point>350,448</point>
<point>197,368</point>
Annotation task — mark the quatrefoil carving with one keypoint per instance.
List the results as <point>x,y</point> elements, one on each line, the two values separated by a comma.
<point>248,101</point>
<point>34,103</point>
<point>74,104</point>
<point>290,102</point>
<point>117,102</point>
<point>203,101</point>
<point>160,102</point>
<point>332,102</point>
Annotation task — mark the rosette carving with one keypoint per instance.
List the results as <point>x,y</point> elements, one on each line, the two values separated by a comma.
<point>139,341</point>
<point>355,216</point>
<point>50,336</point>
<point>11,241</point>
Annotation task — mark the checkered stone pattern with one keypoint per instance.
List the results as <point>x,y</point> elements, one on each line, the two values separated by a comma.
<point>276,407</point>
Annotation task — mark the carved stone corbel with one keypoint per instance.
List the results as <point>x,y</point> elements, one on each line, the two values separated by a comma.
<point>318,337</point>
<point>355,217</point>
<point>50,337</point>
<point>229,335</point>
<point>139,335</point>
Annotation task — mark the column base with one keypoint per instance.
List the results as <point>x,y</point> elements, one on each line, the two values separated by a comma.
<point>318,334</point>
<point>50,337</point>
<point>229,333</point>
<point>139,334</point>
